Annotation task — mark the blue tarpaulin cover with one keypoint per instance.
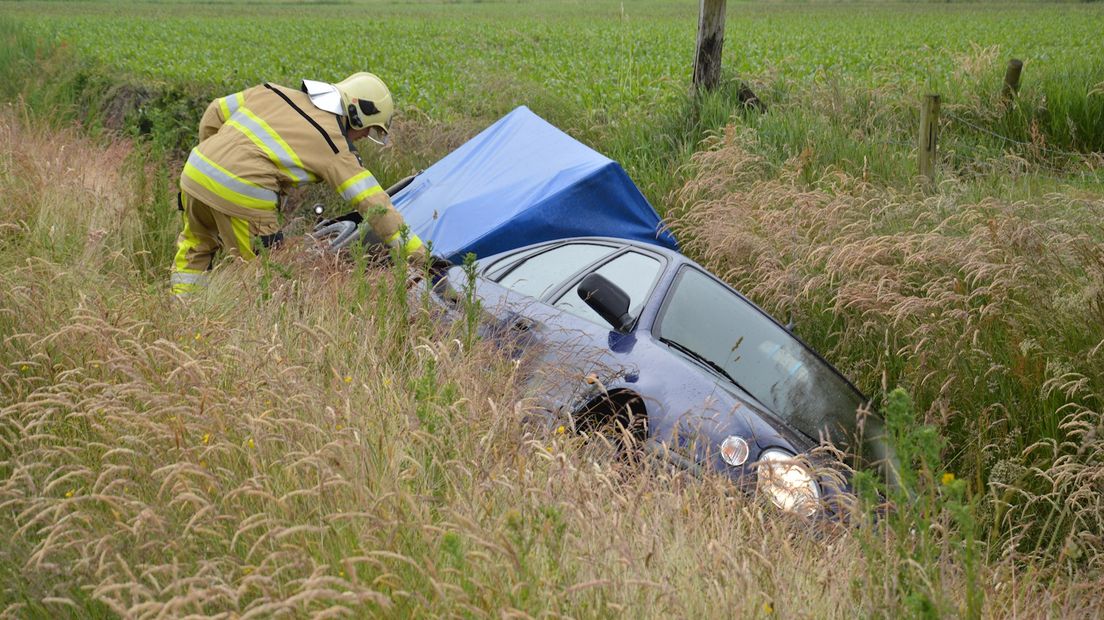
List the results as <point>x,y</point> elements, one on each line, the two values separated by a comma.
<point>523,181</point>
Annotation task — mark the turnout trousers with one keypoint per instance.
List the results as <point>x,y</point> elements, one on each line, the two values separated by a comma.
<point>206,231</point>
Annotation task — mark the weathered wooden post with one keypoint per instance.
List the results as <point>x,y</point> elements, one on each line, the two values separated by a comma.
<point>707,58</point>
<point>929,137</point>
<point>1012,79</point>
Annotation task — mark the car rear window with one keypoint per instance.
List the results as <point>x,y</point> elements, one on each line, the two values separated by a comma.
<point>504,264</point>
<point>543,272</point>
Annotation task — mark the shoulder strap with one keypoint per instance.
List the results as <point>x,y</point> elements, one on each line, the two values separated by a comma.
<point>310,120</point>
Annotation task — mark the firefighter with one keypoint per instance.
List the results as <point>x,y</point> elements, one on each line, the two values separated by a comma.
<point>257,143</point>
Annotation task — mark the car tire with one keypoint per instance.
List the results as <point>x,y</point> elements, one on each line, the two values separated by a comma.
<point>618,422</point>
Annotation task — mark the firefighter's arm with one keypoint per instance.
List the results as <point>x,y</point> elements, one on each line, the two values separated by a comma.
<point>359,188</point>
<point>211,122</point>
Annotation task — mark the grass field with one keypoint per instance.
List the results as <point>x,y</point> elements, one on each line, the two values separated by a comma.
<point>305,441</point>
<point>616,74</point>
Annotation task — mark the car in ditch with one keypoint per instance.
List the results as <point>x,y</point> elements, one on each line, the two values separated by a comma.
<point>577,269</point>
<point>642,338</point>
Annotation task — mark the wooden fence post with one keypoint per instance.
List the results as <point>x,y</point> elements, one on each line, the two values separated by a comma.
<point>1012,79</point>
<point>929,137</point>
<point>707,57</point>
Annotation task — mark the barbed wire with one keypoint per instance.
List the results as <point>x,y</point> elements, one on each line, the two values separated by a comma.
<point>1032,168</point>
<point>1031,145</point>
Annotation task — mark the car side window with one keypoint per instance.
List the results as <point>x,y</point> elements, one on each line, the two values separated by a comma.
<point>501,266</point>
<point>634,272</point>
<point>543,272</point>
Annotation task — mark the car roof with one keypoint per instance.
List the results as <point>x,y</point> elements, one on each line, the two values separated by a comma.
<point>667,253</point>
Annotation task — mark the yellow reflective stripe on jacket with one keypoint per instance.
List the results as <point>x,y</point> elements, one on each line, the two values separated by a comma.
<point>413,242</point>
<point>264,136</point>
<point>230,104</point>
<point>227,185</point>
<point>359,187</point>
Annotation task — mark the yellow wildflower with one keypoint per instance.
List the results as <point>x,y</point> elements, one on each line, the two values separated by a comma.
<point>948,478</point>
<point>768,608</point>
<point>348,379</point>
<point>198,337</point>
<point>69,493</point>
<point>250,443</point>
<point>206,438</point>
<point>560,430</point>
<point>23,368</point>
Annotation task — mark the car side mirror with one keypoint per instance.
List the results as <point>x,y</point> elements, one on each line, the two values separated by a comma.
<point>607,299</point>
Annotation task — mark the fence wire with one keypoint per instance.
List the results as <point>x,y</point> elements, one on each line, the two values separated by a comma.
<point>1031,145</point>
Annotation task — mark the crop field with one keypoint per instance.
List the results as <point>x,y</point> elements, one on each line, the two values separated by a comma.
<point>304,441</point>
<point>598,57</point>
<point>613,73</point>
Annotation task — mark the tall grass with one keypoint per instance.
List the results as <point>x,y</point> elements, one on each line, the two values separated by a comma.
<point>987,312</point>
<point>308,439</point>
<point>321,452</point>
<point>305,440</point>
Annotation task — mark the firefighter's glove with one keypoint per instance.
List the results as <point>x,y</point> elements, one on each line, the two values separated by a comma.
<point>438,267</point>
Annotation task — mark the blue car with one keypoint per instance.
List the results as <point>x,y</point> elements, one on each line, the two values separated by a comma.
<point>642,337</point>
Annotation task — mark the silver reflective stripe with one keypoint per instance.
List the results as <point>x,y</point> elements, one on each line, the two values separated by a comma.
<point>283,157</point>
<point>232,103</point>
<point>180,277</point>
<point>355,189</point>
<point>238,186</point>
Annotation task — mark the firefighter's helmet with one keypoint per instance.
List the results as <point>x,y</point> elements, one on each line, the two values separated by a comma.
<point>366,102</point>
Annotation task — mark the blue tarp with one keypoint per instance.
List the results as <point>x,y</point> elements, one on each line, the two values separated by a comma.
<point>523,181</point>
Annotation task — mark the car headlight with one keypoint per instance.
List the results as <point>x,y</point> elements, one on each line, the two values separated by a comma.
<point>787,482</point>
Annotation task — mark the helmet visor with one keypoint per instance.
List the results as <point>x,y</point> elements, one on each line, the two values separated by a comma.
<point>379,135</point>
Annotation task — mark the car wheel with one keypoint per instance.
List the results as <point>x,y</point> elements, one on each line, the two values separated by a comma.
<point>618,422</point>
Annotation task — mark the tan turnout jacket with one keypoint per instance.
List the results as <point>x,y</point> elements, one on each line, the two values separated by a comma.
<point>257,143</point>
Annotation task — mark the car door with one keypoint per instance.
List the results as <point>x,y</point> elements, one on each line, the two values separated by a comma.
<point>535,300</point>
<point>513,293</point>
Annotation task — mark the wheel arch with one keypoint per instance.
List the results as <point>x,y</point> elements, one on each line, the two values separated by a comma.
<point>621,405</point>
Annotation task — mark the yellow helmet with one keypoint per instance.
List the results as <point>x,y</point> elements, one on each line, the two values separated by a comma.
<point>366,102</point>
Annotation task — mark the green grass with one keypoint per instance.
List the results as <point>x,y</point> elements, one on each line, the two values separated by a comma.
<point>297,440</point>
<point>616,74</point>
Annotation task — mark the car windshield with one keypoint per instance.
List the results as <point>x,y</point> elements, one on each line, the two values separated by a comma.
<point>709,320</point>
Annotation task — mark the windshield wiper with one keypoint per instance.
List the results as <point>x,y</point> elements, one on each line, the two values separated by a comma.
<point>703,359</point>
<point>714,366</point>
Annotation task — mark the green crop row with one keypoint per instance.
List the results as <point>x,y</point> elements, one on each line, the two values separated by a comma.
<point>616,74</point>
<point>609,57</point>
